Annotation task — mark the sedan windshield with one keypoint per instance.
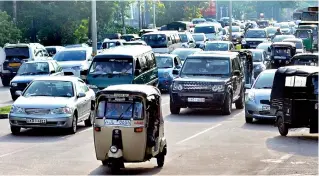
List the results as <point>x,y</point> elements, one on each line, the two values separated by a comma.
<point>198,38</point>
<point>164,62</point>
<point>255,34</point>
<point>216,47</point>
<point>34,68</point>
<point>72,55</point>
<point>115,110</point>
<point>50,88</point>
<point>264,81</point>
<point>205,66</point>
<point>182,54</point>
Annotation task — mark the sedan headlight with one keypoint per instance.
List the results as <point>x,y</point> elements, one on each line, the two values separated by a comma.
<point>243,42</point>
<point>250,97</point>
<point>17,110</point>
<point>64,110</point>
<point>166,75</point>
<point>218,88</point>
<point>177,86</point>
<point>14,84</point>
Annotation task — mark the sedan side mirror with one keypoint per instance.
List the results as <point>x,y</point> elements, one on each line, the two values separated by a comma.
<point>81,95</point>
<point>236,73</point>
<point>18,93</point>
<point>175,72</point>
<point>269,50</point>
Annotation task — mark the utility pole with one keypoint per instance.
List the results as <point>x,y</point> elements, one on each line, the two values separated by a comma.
<point>139,14</point>
<point>154,13</point>
<point>230,21</point>
<point>94,30</point>
<point>14,3</point>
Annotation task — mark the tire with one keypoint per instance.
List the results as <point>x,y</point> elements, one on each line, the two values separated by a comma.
<point>249,119</point>
<point>174,109</point>
<point>5,82</point>
<point>115,167</point>
<point>89,122</point>
<point>14,97</point>
<point>15,130</point>
<point>160,159</point>
<point>227,107</point>
<point>73,128</point>
<point>105,163</point>
<point>240,102</point>
<point>282,127</point>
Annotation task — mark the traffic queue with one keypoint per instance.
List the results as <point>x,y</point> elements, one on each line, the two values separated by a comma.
<point>270,72</point>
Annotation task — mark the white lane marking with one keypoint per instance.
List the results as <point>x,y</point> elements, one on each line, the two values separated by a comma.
<point>17,151</point>
<point>197,134</point>
<point>273,163</point>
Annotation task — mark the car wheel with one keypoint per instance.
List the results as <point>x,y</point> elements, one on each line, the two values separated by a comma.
<point>227,107</point>
<point>89,122</point>
<point>161,158</point>
<point>73,128</point>
<point>14,97</point>
<point>249,119</point>
<point>282,127</point>
<point>5,81</point>
<point>174,109</point>
<point>15,130</point>
<point>240,102</point>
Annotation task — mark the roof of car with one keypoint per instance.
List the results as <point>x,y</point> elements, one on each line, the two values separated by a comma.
<point>269,71</point>
<point>298,69</point>
<point>41,60</point>
<point>126,50</point>
<point>216,41</point>
<point>77,49</point>
<point>255,50</point>
<point>137,88</point>
<point>188,49</point>
<point>57,78</point>
<point>284,44</point>
<point>307,54</point>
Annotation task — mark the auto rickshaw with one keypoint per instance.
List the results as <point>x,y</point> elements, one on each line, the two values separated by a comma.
<point>129,126</point>
<point>294,98</point>
<point>307,38</point>
<point>281,54</point>
<point>305,59</point>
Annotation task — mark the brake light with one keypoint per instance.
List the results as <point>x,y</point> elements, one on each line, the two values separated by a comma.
<point>98,129</point>
<point>138,130</point>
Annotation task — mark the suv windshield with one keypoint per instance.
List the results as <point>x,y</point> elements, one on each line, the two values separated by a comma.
<point>206,66</point>
<point>50,88</point>
<point>164,62</point>
<point>114,110</point>
<point>255,34</point>
<point>204,29</point>
<point>216,47</point>
<point>183,37</point>
<point>72,55</point>
<point>21,52</point>
<point>111,66</point>
<point>35,68</point>
<point>264,81</point>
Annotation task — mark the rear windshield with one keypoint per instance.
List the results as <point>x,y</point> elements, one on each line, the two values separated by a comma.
<point>123,110</point>
<point>216,47</point>
<point>155,40</point>
<point>255,34</point>
<point>35,68</point>
<point>22,52</point>
<point>198,38</point>
<point>205,29</point>
<point>76,55</point>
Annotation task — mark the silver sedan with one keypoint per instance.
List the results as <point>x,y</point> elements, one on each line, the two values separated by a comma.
<point>59,102</point>
<point>257,104</point>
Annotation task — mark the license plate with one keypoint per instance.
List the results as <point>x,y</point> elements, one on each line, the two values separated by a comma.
<point>36,121</point>
<point>117,122</point>
<point>266,108</point>
<point>14,64</point>
<point>196,99</point>
<point>253,45</point>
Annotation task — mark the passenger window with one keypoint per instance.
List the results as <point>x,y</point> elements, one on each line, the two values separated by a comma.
<point>79,88</point>
<point>235,65</point>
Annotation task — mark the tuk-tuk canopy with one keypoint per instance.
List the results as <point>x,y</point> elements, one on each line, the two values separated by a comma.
<point>281,80</point>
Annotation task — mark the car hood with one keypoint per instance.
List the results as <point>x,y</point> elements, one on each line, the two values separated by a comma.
<point>211,36</point>
<point>43,102</point>
<point>25,79</point>
<point>209,79</point>
<point>261,94</point>
<point>255,39</point>
<point>161,71</point>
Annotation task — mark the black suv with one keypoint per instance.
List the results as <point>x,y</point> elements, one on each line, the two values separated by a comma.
<point>209,80</point>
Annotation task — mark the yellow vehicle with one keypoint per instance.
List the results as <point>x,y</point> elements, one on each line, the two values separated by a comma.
<point>129,126</point>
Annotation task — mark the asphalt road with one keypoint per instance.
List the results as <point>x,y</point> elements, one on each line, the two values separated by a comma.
<point>199,142</point>
<point>5,97</point>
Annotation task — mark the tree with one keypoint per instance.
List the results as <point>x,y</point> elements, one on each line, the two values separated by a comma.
<point>81,33</point>
<point>9,33</point>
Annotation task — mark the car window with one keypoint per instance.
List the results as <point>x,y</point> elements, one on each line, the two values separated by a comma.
<point>179,61</point>
<point>264,81</point>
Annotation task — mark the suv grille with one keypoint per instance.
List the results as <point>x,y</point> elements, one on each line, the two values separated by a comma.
<point>196,86</point>
<point>37,111</point>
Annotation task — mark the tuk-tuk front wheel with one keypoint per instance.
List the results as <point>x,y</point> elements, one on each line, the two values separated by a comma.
<point>282,127</point>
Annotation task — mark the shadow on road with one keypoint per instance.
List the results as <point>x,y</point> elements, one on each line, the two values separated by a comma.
<point>200,115</point>
<point>305,145</point>
<point>38,135</point>
<point>104,170</point>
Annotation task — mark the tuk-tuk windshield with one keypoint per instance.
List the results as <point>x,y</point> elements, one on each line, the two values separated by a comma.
<point>281,51</point>
<point>115,110</point>
<point>303,34</point>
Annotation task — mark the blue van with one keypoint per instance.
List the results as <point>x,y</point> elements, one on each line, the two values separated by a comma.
<point>131,64</point>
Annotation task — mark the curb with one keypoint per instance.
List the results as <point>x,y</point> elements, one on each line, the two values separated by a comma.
<point>3,116</point>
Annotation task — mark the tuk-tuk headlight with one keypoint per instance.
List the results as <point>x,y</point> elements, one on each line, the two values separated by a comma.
<point>113,149</point>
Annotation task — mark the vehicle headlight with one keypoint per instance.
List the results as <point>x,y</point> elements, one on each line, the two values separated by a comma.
<point>243,42</point>
<point>77,68</point>
<point>92,86</point>
<point>113,149</point>
<point>177,86</point>
<point>14,84</point>
<point>250,97</point>
<point>166,75</point>
<point>218,88</point>
<point>64,110</point>
<point>17,110</point>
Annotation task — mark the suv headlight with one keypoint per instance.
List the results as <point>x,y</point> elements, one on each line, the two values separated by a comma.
<point>243,42</point>
<point>14,84</point>
<point>17,110</point>
<point>177,86</point>
<point>250,97</point>
<point>218,88</point>
<point>64,110</point>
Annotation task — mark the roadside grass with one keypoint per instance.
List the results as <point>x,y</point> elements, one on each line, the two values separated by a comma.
<point>5,109</point>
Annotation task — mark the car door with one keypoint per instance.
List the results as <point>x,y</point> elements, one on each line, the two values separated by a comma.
<point>87,105</point>
<point>80,101</point>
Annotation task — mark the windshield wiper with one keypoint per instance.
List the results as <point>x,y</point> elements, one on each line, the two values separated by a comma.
<point>121,116</point>
<point>40,73</point>
<point>26,73</point>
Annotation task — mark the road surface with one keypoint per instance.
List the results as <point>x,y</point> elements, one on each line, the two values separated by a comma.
<point>5,97</point>
<point>199,142</point>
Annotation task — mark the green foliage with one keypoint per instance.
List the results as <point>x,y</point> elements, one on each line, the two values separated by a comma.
<point>81,33</point>
<point>9,33</point>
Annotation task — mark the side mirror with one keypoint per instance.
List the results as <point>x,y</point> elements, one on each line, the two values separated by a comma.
<point>247,86</point>
<point>137,72</point>
<point>241,36</point>
<point>175,72</point>
<point>81,95</point>
<point>18,93</point>
<point>191,41</point>
<point>178,67</point>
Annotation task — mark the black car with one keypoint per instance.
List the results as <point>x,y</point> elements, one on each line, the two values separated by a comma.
<point>209,80</point>
<point>253,37</point>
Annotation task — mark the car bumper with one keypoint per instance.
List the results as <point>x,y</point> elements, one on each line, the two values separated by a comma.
<point>254,110</point>
<point>212,100</point>
<point>58,121</point>
<point>164,84</point>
